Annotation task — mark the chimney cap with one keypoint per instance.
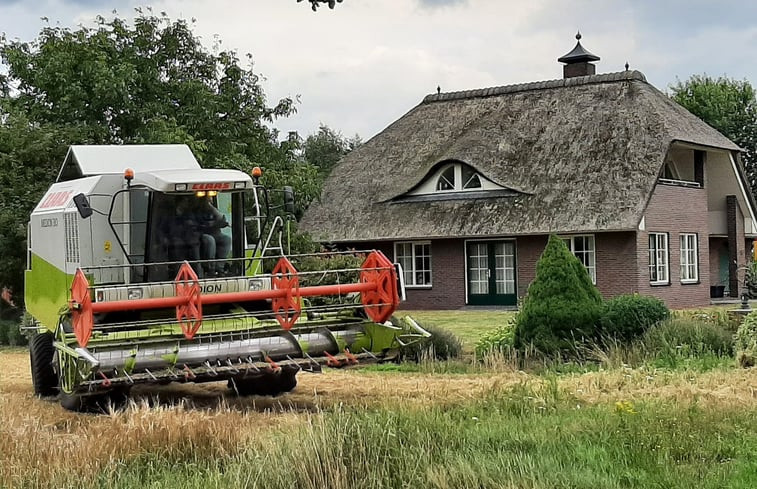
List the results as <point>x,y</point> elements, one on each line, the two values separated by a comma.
<point>578,54</point>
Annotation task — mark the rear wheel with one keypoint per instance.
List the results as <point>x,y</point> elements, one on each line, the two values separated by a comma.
<point>41,355</point>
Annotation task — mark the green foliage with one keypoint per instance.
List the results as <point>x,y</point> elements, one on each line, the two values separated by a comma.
<point>10,334</point>
<point>149,80</point>
<point>561,307</point>
<point>442,345</point>
<point>629,316</point>
<point>499,340</point>
<point>746,341</point>
<point>750,280</point>
<point>325,148</point>
<point>716,317</point>
<point>684,337</point>
<point>727,105</point>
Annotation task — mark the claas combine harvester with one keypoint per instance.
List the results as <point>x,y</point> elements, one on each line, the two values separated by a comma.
<point>144,267</point>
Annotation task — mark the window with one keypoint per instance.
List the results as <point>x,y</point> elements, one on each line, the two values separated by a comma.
<point>583,248</point>
<point>458,177</point>
<point>470,180</point>
<point>658,258</point>
<point>415,259</point>
<point>446,179</point>
<point>689,258</point>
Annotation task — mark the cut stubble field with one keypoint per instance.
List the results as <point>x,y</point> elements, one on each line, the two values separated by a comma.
<point>619,428</point>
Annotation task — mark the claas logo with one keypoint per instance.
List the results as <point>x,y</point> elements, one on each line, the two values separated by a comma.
<point>211,186</point>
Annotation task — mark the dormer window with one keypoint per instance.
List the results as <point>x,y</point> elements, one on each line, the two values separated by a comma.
<point>457,177</point>
<point>454,180</point>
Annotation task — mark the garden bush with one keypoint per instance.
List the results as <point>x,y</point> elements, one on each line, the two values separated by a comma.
<point>499,340</point>
<point>746,341</point>
<point>629,316</point>
<point>442,345</point>
<point>687,337</point>
<point>561,307</point>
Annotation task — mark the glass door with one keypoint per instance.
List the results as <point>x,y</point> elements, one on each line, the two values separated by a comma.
<point>491,273</point>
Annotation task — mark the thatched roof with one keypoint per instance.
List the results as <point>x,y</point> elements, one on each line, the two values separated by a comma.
<point>582,153</point>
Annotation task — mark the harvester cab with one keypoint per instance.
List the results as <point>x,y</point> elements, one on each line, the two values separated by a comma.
<point>144,267</point>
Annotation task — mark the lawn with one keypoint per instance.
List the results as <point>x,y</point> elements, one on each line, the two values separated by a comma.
<point>467,325</point>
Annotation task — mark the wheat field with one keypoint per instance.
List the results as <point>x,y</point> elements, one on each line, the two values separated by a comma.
<point>42,445</point>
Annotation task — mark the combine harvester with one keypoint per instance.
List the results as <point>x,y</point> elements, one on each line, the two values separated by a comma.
<point>145,268</point>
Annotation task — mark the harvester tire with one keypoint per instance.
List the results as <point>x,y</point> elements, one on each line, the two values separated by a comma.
<point>265,385</point>
<point>73,402</point>
<point>41,354</point>
<point>92,403</point>
<point>287,381</point>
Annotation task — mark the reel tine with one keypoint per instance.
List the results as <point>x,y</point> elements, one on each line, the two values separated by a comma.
<point>151,375</point>
<point>369,353</point>
<point>230,364</point>
<point>210,367</point>
<point>294,362</point>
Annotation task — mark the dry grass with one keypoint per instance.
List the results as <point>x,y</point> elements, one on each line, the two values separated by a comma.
<point>42,442</point>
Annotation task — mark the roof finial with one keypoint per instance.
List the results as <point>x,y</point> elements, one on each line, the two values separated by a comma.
<point>578,35</point>
<point>438,89</point>
<point>626,65</point>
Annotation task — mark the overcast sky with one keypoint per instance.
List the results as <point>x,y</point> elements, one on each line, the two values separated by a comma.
<point>359,67</point>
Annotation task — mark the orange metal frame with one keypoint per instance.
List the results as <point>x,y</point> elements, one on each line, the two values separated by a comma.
<point>377,286</point>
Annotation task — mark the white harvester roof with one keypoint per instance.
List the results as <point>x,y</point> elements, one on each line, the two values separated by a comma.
<point>84,161</point>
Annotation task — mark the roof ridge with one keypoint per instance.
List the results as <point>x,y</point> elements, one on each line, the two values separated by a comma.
<point>538,85</point>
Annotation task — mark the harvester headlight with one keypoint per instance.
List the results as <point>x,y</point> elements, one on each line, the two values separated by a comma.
<point>180,187</point>
<point>135,293</point>
<point>200,193</point>
<point>212,193</point>
<point>239,185</point>
<point>255,285</point>
<point>99,295</point>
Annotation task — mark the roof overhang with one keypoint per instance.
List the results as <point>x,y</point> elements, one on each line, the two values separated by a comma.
<point>193,180</point>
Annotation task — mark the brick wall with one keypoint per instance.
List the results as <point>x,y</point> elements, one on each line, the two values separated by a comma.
<point>617,270</point>
<point>615,259</point>
<point>528,250</point>
<point>447,275</point>
<point>675,210</point>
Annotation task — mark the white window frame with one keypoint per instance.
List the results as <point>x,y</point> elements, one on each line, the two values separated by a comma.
<point>659,258</point>
<point>689,258</point>
<point>458,184</point>
<point>591,254</point>
<point>413,272</point>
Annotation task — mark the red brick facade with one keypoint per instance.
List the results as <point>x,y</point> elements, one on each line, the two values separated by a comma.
<point>622,258</point>
<point>674,210</point>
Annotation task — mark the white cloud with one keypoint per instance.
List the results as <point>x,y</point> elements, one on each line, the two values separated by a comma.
<point>365,63</point>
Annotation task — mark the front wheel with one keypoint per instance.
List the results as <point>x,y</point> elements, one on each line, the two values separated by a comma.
<point>41,355</point>
<point>270,384</point>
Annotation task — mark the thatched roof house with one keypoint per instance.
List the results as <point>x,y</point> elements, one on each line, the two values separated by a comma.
<point>585,155</point>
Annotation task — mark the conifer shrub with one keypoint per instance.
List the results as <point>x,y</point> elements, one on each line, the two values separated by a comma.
<point>629,316</point>
<point>561,307</point>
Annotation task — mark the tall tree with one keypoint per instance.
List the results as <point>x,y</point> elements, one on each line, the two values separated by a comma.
<point>149,80</point>
<point>730,107</point>
<point>326,147</point>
